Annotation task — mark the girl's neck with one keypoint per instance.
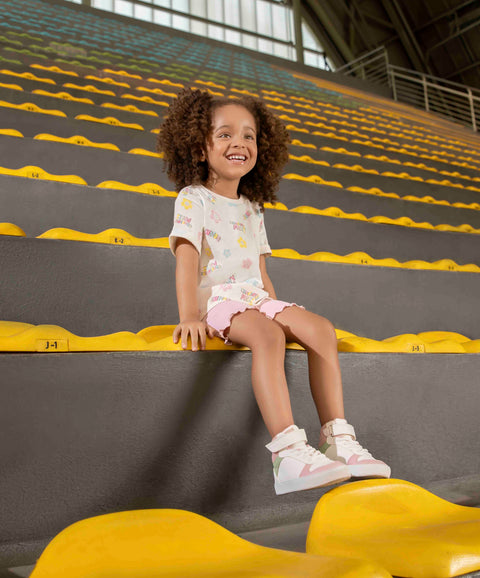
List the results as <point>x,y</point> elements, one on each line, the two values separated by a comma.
<point>228,189</point>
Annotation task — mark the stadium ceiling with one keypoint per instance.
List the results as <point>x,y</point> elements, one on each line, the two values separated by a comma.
<point>438,37</point>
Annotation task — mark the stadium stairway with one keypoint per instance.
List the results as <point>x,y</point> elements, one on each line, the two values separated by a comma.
<point>92,432</point>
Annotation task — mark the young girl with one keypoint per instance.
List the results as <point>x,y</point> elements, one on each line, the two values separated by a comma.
<point>225,157</point>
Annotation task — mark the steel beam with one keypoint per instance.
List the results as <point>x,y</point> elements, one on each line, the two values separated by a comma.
<point>297,20</point>
<point>318,8</point>
<point>406,35</point>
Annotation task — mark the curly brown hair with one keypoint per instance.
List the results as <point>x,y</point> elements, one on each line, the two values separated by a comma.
<point>187,128</point>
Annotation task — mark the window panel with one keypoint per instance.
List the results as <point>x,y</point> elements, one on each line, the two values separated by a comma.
<point>232,12</point>
<point>215,32</point>
<point>181,23</point>
<point>248,15</point>
<point>103,4</point>
<point>123,7</point>
<point>142,12</point>
<point>162,18</point>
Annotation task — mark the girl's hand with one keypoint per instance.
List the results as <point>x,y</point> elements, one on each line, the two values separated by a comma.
<point>197,331</point>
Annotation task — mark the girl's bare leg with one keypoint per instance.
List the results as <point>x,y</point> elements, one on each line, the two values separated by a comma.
<point>317,335</point>
<point>266,339</point>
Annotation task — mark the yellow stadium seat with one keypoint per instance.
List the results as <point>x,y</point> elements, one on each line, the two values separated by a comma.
<point>110,236</point>
<point>109,120</point>
<point>33,172</point>
<point>78,140</point>
<point>54,69</point>
<point>400,526</point>
<point>31,107</point>
<point>63,95</point>
<point>16,336</point>
<point>178,543</point>
<point>11,229</point>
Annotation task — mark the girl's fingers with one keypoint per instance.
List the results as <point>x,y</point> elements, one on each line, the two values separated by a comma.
<point>176,333</point>
<point>185,332</point>
<point>203,338</point>
<point>194,338</point>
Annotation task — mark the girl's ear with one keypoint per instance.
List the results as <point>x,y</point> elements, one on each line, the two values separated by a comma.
<point>203,156</point>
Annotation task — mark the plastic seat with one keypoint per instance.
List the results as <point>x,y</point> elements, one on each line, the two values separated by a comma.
<point>154,543</point>
<point>404,528</point>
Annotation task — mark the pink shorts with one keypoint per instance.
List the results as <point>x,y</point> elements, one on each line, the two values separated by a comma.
<point>220,316</point>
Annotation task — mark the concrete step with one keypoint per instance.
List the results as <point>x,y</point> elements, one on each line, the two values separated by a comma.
<point>114,431</point>
<point>95,289</point>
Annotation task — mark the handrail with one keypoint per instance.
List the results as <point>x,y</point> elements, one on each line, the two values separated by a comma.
<point>446,98</point>
<point>365,57</point>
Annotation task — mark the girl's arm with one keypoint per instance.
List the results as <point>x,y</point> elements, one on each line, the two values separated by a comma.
<point>186,276</point>
<point>267,283</point>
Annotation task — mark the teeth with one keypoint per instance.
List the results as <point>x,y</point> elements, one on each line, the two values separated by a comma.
<point>236,157</point>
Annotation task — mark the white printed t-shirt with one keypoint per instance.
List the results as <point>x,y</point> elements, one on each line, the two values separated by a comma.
<point>229,235</point>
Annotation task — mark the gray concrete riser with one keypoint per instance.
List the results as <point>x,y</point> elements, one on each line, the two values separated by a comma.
<point>95,289</point>
<point>117,431</point>
<point>37,205</point>
<point>96,165</point>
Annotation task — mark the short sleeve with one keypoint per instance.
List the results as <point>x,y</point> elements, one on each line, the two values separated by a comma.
<point>264,247</point>
<point>188,219</point>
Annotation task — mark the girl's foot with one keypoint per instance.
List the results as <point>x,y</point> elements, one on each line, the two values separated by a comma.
<point>298,466</point>
<point>338,442</point>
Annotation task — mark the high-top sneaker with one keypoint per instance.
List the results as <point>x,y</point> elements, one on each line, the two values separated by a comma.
<point>338,442</point>
<point>298,466</point>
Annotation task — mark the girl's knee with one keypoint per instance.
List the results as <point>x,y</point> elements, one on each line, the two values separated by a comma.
<point>268,335</point>
<point>322,328</point>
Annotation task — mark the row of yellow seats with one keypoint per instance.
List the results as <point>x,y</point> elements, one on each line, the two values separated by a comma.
<point>301,127</point>
<point>208,83</point>
<point>413,150</point>
<point>151,188</point>
<point>366,529</point>
<point>19,336</point>
<point>402,175</point>
<point>386,159</point>
<point>67,96</point>
<point>407,134</point>
<point>355,133</point>
<point>116,236</point>
<point>32,107</point>
<point>81,141</point>
<point>376,191</point>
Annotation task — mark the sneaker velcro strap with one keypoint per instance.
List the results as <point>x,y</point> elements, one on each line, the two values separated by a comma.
<point>286,440</point>
<point>342,428</point>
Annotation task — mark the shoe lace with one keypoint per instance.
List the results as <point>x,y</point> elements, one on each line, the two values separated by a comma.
<point>352,445</point>
<point>307,453</point>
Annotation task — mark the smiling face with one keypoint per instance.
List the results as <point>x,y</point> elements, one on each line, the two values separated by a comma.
<point>232,148</point>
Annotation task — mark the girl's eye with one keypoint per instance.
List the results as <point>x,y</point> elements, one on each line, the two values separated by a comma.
<point>250,136</point>
<point>224,134</point>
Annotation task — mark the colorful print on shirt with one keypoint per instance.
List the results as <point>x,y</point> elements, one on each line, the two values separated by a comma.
<point>229,237</point>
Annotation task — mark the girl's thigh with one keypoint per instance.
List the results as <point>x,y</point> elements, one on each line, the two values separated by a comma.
<point>303,326</point>
<point>252,328</point>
